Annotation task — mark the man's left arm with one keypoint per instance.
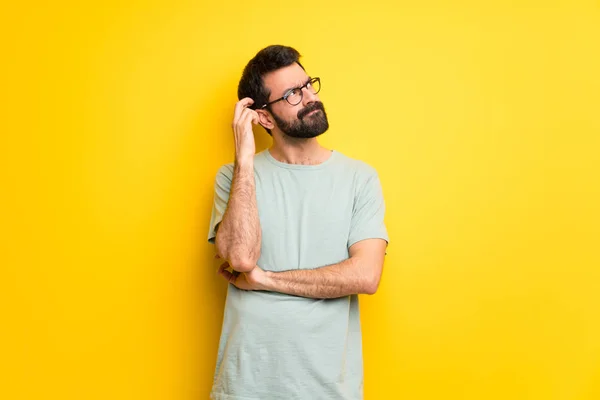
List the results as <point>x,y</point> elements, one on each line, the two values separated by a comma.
<point>359,274</point>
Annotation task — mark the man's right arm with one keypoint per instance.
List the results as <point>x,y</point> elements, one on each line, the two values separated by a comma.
<point>238,237</point>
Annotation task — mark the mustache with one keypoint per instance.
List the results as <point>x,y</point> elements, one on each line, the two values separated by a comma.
<point>310,108</point>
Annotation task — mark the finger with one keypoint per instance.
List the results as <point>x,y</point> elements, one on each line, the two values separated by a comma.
<point>227,275</point>
<point>222,267</point>
<point>246,118</point>
<point>246,112</point>
<point>236,274</point>
<point>255,117</point>
<point>241,106</point>
<point>232,278</point>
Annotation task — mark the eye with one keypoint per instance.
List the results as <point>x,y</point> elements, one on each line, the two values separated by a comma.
<point>292,92</point>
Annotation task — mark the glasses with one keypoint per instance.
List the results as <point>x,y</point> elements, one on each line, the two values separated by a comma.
<point>294,96</point>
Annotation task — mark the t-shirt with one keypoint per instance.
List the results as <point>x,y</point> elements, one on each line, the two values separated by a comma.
<point>279,346</point>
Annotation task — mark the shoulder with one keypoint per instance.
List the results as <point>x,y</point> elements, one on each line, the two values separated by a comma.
<point>225,173</point>
<point>365,179</point>
<point>359,168</point>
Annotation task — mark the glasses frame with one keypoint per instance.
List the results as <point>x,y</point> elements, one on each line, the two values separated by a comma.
<point>289,92</point>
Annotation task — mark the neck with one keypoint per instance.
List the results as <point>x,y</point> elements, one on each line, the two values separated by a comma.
<point>298,151</point>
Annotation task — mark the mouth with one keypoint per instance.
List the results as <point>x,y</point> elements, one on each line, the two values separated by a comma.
<point>312,112</point>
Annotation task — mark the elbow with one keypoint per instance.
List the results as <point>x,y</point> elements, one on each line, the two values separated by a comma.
<point>242,264</point>
<point>371,285</point>
<point>235,257</point>
<point>242,261</point>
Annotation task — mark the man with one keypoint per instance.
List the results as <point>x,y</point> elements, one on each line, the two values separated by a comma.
<point>301,230</point>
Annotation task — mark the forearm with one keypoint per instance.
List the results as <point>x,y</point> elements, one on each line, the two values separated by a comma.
<point>351,276</point>
<point>239,234</point>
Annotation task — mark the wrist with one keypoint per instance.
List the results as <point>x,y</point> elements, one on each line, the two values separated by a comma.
<point>267,281</point>
<point>244,161</point>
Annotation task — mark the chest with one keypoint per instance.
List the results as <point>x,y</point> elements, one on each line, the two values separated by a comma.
<point>311,199</point>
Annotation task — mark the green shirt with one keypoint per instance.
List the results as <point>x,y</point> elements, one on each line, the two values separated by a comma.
<point>278,346</point>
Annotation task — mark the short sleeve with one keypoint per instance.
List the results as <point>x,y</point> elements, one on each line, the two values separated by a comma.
<point>368,211</point>
<point>221,198</point>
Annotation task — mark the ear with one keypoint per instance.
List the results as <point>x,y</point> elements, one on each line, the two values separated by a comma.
<point>265,119</point>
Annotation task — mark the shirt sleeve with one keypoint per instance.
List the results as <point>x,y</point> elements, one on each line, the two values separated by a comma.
<point>368,212</point>
<point>221,198</point>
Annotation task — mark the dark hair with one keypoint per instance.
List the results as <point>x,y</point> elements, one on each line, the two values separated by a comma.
<point>267,60</point>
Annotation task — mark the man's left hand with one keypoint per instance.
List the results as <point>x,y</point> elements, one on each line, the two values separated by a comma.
<point>252,280</point>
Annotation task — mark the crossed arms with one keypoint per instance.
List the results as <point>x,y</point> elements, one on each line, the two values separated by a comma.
<point>238,243</point>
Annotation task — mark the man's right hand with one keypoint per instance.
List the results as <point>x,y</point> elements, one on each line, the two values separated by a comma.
<point>243,118</point>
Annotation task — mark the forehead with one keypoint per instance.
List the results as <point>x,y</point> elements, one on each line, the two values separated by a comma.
<point>285,78</point>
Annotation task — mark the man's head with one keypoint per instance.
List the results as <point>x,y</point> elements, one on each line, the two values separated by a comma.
<point>274,73</point>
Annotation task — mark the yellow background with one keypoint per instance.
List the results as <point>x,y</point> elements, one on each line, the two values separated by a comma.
<point>482,119</point>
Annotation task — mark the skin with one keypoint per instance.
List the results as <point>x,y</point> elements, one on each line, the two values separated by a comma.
<point>359,274</point>
<point>287,149</point>
<point>238,236</point>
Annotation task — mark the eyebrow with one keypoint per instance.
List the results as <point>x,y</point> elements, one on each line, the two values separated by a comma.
<point>296,87</point>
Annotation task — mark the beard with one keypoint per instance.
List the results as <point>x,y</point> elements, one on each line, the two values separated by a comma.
<point>306,126</point>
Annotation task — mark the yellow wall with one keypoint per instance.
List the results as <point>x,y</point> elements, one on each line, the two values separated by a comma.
<point>482,119</point>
